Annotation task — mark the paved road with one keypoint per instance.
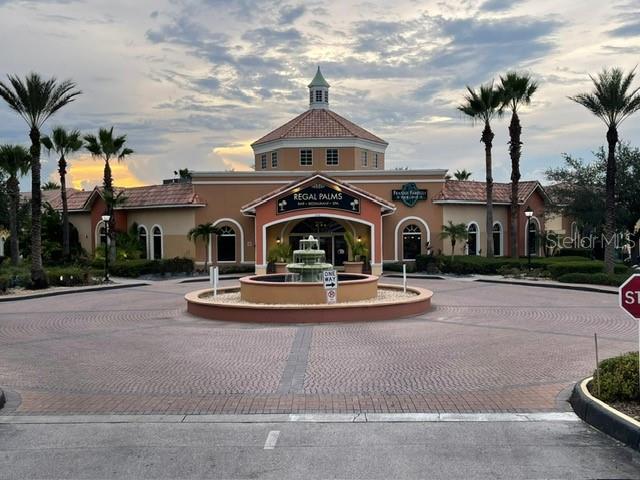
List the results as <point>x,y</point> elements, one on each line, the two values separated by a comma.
<point>436,450</point>
<point>484,348</point>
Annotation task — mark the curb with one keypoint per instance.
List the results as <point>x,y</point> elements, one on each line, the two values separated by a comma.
<point>412,275</point>
<point>67,292</point>
<point>543,285</point>
<point>206,279</point>
<point>603,417</point>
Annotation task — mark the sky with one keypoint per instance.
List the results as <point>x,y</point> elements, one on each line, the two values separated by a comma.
<point>193,83</point>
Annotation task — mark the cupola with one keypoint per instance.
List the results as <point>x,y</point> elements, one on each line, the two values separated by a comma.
<point>318,91</point>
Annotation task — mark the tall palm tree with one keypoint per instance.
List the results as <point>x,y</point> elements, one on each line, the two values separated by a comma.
<point>462,175</point>
<point>35,100</point>
<point>612,101</point>
<point>516,90</point>
<point>63,143</point>
<point>106,147</point>
<point>50,185</point>
<point>454,232</point>
<point>15,162</point>
<point>483,106</point>
<point>204,231</point>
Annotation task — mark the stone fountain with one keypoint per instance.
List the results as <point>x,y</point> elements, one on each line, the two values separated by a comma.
<point>309,262</point>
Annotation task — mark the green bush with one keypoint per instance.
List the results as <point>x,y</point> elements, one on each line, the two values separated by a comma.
<point>68,276</point>
<point>558,269</point>
<point>618,378</point>
<point>575,252</point>
<point>4,283</point>
<point>397,267</point>
<point>426,263</point>
<point>594,278</point>
<point>471,264</point>
<point>228,269</point>
<point>137,268</point>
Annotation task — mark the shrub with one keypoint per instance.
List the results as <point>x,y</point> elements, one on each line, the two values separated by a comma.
<point>594,278</point>
<point>397,267</point>
<point>137,268</point>
<point>227,269</point>
<point>68,276</point>
<point>426,263</point>
<point>559,269</point>
<point>4,283</point>
<point>618,378</point>
<point>575,252</point>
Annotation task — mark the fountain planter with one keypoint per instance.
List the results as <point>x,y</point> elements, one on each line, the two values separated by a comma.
<point>273,290</point>
<point>353,267</point>
<point>281,267</point>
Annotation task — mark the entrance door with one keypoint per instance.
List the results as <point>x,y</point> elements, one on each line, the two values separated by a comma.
<point>340,249</point>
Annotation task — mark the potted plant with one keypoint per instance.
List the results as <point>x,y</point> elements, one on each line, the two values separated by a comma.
<point>357,251</point>
<point>280,255</point>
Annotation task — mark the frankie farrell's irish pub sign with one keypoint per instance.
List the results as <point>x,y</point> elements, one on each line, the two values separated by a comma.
<point>318,195</point>
<point>409,195</point>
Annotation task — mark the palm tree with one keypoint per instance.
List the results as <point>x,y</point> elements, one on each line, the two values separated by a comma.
<point>15,162</point>
<point>35,100</point>
<point>454,232</point>
<point>50,185</point>
<point>612,101</point>
<point>516,90</point>
<point>462,175</point>
<point>105,146</point>
<point>204,231</point>
<point>63,143</point>
<point>483,106</point>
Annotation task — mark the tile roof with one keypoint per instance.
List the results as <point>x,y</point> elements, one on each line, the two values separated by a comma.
<point>471,191</point>
<point>254,203</point>
<point>319,123</point>
<point>166,195</point>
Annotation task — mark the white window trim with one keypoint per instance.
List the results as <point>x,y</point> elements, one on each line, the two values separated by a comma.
<point>526,236</point>
<point>146,237</point>
<point>240,229</point>
<point>326,157</point>
<point>410,233</point>
<point>499,223</point>
<point>300,157</point>
<point>396,233</point>
<point>153,243</point>
<point>477,236</point>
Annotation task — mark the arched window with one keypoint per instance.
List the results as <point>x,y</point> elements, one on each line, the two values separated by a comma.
<point>411,241</point>
<point>156,233</point>
<point>144,241</point>
<point>2,240</point>
<point>533,237</point>
<point>472,239</point>
<point>574,234</point>
<point>497,239</point>
<point>226,244</point>
<point>102,234</point>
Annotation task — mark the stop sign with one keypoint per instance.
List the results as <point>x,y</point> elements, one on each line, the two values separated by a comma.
<point>630,296</point>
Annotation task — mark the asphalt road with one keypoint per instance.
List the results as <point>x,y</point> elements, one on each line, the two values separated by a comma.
<point>564,448</point>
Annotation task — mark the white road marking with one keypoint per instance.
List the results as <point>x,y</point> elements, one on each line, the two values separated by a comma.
<point>272,439</point>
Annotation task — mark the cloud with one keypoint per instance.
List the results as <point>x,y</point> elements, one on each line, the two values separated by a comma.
<point>290,13</point>
<point>499,5</point>
<point>86,172</point>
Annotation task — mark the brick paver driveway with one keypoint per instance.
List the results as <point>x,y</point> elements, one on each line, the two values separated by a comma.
<point>483,348</point>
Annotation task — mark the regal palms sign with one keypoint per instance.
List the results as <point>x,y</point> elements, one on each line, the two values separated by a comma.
<point>410,194</point>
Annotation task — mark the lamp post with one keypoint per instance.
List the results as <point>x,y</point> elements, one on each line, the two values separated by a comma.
<point>106,218</point>
<point>528,213</point>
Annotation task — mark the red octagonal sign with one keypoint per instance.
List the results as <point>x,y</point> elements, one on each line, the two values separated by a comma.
<point>630,296</point>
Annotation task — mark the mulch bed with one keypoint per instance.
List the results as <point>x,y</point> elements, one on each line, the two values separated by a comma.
<point>630,408</point>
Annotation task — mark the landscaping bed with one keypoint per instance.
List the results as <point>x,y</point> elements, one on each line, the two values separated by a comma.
<point>618,384</point>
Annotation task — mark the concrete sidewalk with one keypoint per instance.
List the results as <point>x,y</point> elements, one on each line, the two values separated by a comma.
<point>560,448</point>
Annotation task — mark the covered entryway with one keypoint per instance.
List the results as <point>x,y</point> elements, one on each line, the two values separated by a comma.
<point>322,207</point>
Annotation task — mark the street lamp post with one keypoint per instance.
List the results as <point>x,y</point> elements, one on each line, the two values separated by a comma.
<point>528,213</point>
<point>105,219</point>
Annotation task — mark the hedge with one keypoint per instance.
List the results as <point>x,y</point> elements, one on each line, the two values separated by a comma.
<point>68,276</point>
<point>594,278</point>
<point>397,267</point>
<point>137,268</point>
<point>575,252</point>
<point>618,378</point>
<point>559,269</point>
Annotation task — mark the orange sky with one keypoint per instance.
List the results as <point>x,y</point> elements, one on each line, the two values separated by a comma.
<point>85,173</point>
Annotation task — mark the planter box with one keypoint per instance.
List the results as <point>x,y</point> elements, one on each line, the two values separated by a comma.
<point>353,267</point>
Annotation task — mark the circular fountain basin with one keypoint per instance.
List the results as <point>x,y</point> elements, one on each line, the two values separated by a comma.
<point>275,290</point>
<point>394,305</point>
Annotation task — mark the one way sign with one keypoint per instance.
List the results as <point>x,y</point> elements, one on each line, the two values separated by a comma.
<point>330,279</point>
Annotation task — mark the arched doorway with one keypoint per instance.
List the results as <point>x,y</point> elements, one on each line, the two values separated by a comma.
<point>411,241</point>
<point>328,231</point>
<point>473,239</point>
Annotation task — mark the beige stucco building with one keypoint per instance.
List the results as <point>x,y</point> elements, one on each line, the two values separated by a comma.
<point>317,174</point>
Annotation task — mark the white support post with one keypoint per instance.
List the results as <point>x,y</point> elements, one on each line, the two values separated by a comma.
<point>404,277</point>
<point>215,281</point>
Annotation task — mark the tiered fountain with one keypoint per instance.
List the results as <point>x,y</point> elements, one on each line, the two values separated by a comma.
<point>300,296</point>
